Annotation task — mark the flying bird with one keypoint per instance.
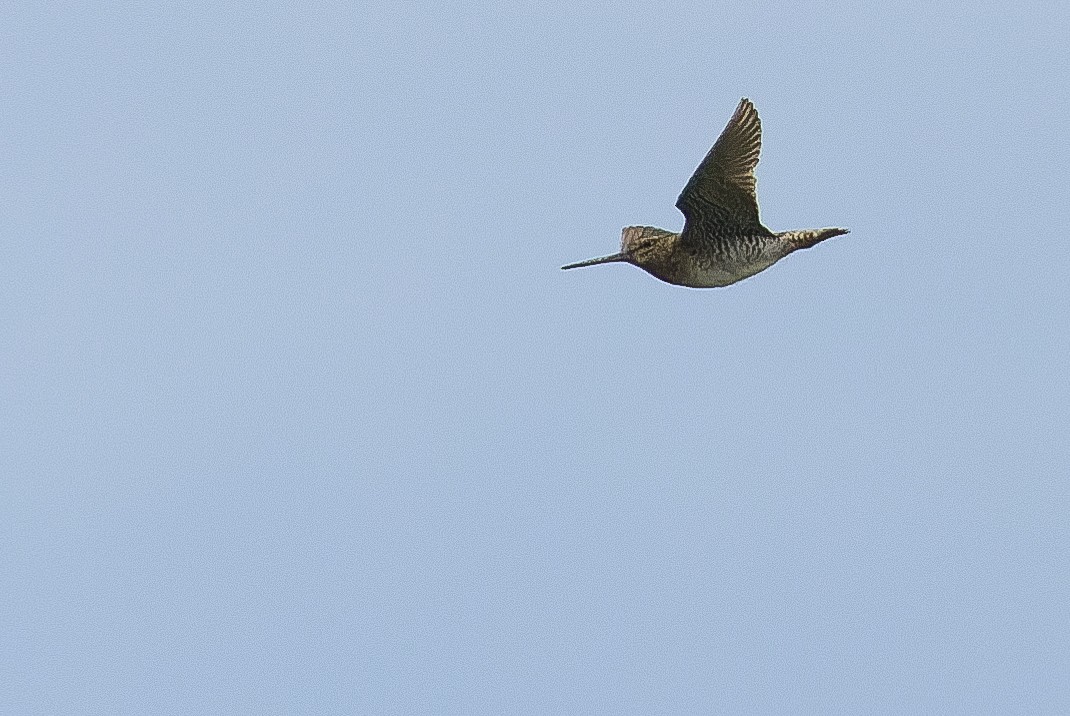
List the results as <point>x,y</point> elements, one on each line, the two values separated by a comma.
<point>723,240</point>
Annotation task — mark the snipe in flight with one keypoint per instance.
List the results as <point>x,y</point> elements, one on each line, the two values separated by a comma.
<point>723,240</point>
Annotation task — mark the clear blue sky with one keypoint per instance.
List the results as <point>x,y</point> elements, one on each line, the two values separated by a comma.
<point>298,413</point>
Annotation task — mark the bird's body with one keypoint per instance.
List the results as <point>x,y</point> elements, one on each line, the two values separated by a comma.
<point>723,240</point>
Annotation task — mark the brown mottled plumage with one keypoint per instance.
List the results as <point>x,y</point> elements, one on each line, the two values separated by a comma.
<point>723,240</point>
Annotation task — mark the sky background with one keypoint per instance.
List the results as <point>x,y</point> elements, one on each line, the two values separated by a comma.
<point>298,414</point>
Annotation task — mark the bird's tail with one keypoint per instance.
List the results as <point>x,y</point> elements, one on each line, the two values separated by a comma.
<point>805,238</point>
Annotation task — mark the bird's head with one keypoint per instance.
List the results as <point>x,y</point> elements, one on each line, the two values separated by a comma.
<point>639,245</point>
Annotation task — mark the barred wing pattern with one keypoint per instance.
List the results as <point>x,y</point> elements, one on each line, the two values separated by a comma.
<point>722,189</point>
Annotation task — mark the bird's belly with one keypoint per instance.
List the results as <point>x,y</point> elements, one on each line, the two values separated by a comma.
<point>716,275</point>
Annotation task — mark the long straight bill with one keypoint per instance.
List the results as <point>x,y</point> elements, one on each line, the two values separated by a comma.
<point>600,260</point>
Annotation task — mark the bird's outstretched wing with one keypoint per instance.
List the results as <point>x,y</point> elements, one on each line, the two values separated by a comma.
<point>722,188</point>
